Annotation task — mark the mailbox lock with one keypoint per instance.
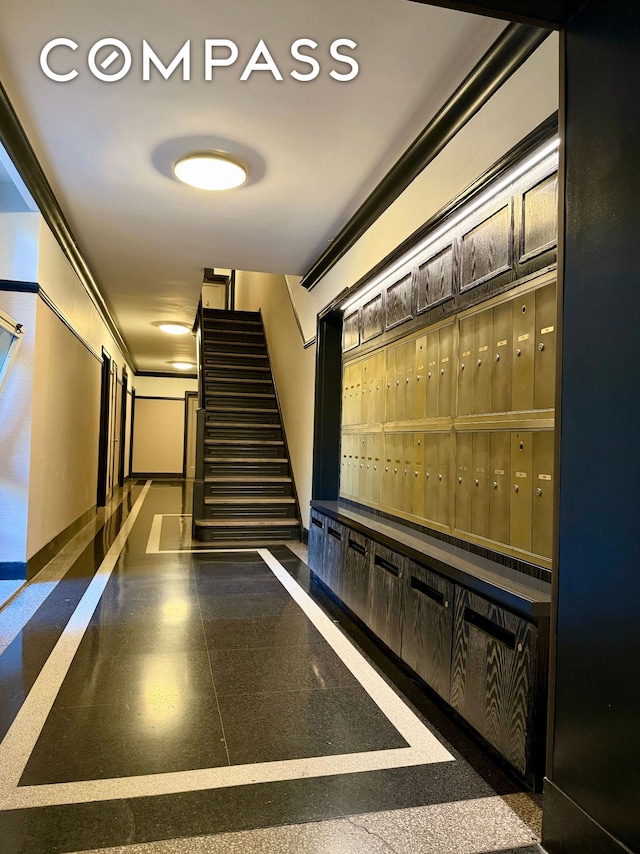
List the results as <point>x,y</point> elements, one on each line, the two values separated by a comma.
<point>516,488</point>
<point>446,603</point>
<point>522,446</point>
<point>439,477</point>
<point>417,378</point>
<point>397,382</point>
<point>388,385</point>
<point>462,366</point>
<point>524,309</point>
<point>386,468</point>
<point>418,442</point>
<point>426,474</point>
<point>459,480</point>
<point>541,346</point>
<point>495,484</point>
<point>519,647</point>
<point>429,375</point>
<point>479,362</point>
<point>538,492</point>
<point>368,467</point>
<point>405,472</point>
<point>442,372</point>
<point>497,357</point>
<point>407,379</point>
<point>395,471</point>
<point>477,482</point>
<point>375,468</point>
<point>415,474</point>
<point>518,352</point>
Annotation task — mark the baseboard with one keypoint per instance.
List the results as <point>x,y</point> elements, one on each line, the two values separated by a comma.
<point>13,570</point>
<point>157,475</point>
<point>567,829</point>
<point>305,536</point>
<point>46,553</point>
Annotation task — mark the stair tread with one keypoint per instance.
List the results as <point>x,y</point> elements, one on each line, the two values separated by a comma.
<point>248,479</point>
<point>243,394</point>
<point>232,320</point>
<point>243,442</point>
<point>245,544</point>
<point>251,499</point>
<point>235,381</point>
<point>244,523</point>
<point>235,368</point>
<point>209,326</point>
<point>228,353</point>
<point>244,424</point>
<point>241,409</point>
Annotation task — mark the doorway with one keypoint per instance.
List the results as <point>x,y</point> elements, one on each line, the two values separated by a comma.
<point>190,432</point>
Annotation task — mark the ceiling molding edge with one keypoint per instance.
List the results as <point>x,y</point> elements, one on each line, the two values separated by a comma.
<point>20,150</point>
<point>506,55</point>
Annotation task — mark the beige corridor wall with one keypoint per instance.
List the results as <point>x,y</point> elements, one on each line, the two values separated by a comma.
<point>65,430</point>
<point>293,370</point>
<point>158,435</point>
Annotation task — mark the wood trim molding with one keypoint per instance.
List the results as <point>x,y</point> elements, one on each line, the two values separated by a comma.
<point>20,151</point>
<point>510,50</point>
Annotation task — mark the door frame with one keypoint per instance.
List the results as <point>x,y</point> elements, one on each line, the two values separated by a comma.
<point>188,395</point>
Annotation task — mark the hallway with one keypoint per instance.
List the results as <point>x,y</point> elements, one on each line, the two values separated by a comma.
<point>157,691</point>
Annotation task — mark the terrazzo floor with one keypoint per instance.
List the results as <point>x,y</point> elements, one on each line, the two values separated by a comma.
<point>159,696</point>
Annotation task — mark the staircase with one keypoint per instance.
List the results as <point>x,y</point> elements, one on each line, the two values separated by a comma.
<point>244,493</point>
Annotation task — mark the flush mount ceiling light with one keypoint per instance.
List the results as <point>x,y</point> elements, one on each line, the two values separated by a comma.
<point>210,170</point>
<point>175,328</point>
<point>182,366</point>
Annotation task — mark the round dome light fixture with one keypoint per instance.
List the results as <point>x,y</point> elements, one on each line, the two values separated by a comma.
<point>210,170</point>
<point>182,366</point>
<point>172,328</point>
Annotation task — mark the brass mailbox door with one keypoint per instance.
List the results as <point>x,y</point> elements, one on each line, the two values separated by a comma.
<point>464,480</point>
<point>521,477</point>
<point>358,474</point>
<point>365,392</point>
<point>445,370</point>
<point>348,444</point>
<point>390,385</point>
<point>545,348</point>
<point>346,404</point>
<point>480,489</point>
<point>407,472</point>
<point>482,362</point>
<point>344,468</point>
<point>378,388</point>
<point>388,479</point>
<point>466,343</point>
<point>409,378</point>
<point>499,487</point>
<point>365,468</point>
<point>376,473</point>
<point>501,357</point>
<point>420,390</point>
<point>522,360</point>
<point>444,479</point>
<point>418,474</point>
<point>400,382</point>
<point>398,459</point>
<point>432,368</point>
<point>356,387</point>
<point>543,456</point>
<point>430,476</point>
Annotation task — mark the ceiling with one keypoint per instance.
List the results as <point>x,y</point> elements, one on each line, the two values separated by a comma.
<point>315,150</point>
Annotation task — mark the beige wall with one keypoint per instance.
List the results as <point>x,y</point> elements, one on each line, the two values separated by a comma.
<point>522,103</point>
<point>15,432</point>
<point>158,435</point>
<point>164,386</point>
<point>65,430</point>
<point>293,370</point>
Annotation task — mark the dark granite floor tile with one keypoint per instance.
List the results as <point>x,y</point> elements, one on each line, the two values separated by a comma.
<point>131,678</point>
<point>137,636</point>
<point>165,731</point>
<point>253,671</point>
<point>297,724</point>
<point>264,632</point>
<point>251,586</point>
<point>236,606</point>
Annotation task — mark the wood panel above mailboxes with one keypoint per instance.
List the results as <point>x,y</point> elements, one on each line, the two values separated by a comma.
<point>539,232</point>
<point>399,301</point>
<point>486,250</point>
<point>351,331</point>
<point>372,318</point>
<point>435,279</point>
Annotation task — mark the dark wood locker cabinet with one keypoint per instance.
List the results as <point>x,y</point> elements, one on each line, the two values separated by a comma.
<point>317,526</point>
<point>332,555</point>
<point>427,626</point>
<point>355,576</point>
<point>493,675</point>
<point>384,613</point>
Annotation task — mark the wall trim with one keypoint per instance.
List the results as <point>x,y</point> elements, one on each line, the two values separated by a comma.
<point>549,13</point>
<point>568,829</point>
<point>48,552</point>
<point>159,397</point>
<point>13,570</point>
<point>505,56</point>
<point>19,287</point>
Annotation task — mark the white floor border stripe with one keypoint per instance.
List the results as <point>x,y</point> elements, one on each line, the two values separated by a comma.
<point>424,748</point>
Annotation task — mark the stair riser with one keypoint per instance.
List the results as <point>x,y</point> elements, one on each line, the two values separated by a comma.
<point>216,389</point>
<point>233,330</point>
<point>242,418</point>
<point>247,432</point>
<point>235,490</point>
<point>220,356</point>
<point>223,314</point>
<point>224,469</point>
<point>226,371</point>
<point>238,451</point>
<point>248,512</point>
<point>249,400</point>
<point>231,343</point>
<point>246,535</point>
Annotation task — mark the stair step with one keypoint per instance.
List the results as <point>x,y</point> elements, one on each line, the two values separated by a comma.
<point>232,354</point>
<point>235,367</point>
<point>243,442</point>
<point>239,409</point>
<point>245,544</point>
<point>241,394</point>
<point>231,320</point>
<point>209,324</point>
<point>253,460</point>
<point>243,523</point>
<point>250,499</point>
<point>226,425</point>
<point>240,381</point>
<point>248,479</point>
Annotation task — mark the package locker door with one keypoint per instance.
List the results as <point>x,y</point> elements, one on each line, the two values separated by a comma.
<point>523,343</point>
<point>409,378</point>
<point>545,348</point>
<point>543,455</point>
<point>432,374</point>
<point>388,477</point>
<point>376,473</point>
<point>480,489</point>
<point>466,342</point>
<point>400,382</point>
<point>501,358</point>
<point>521,471</point>
<point>365,391</point>
<point>464,480</point>
<point>390,385</point>
<point>443,507</point>
<point>482,362</point>
<point>378,388</point>
<point>445,371</point>
<point>418,475</point>
<point>499,491</point>
<point>429,506</point>
<point>420,389</point>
